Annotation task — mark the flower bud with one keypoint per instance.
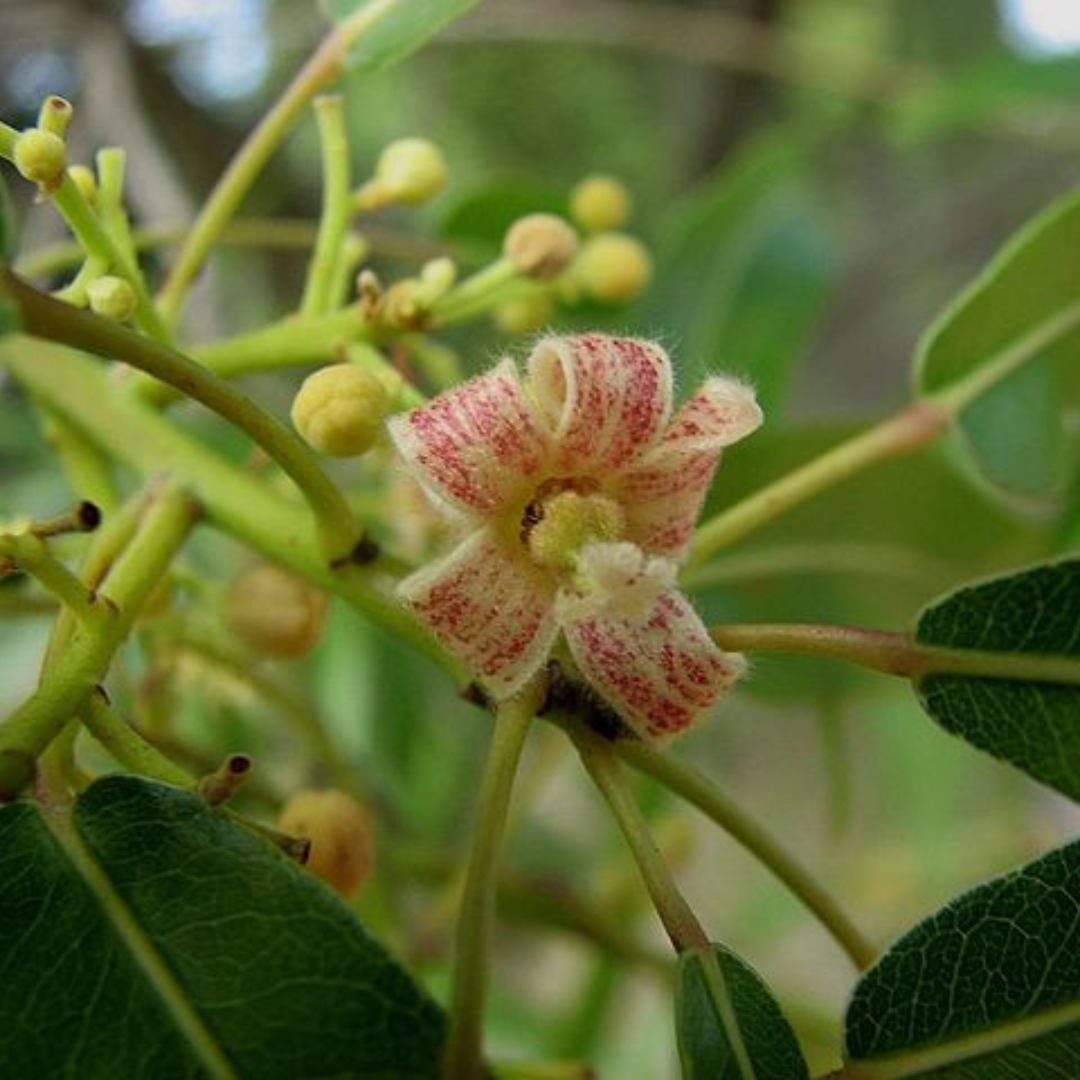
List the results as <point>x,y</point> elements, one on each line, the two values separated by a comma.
<point>85,181</point>
<point>600,203</point>
<point>524,313</point>
<point>438,277</point>
<point>540,245</point>
<point>342,849</point>
<point>275,612</point>
<point>613,268</point>
<point>340,409</point>
<point>111,297</point>
<point>40,156</point>
<point>411,171</point>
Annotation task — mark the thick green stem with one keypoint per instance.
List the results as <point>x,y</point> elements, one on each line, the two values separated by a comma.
<point>679,920</point>
<point>904,433</point>
<point>893,653</point>
<point>334,223</point>
<point>83,665</point>
<point>463,1055</point>
<point>697,789</point>
<point>135,435</point>
<point>324,66</point>
<point>32,555</point>
<point>52,320</point>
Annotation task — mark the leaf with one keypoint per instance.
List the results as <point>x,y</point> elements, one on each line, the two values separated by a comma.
<point>396,28</point>
<point>988,988</point>
<point>1024,308</point>
<point>744,269</point>
<point>1032,724</point>
<point>704,1047</point>
<point>152,936</point>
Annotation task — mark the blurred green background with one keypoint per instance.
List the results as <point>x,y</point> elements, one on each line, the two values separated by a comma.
<point>816,179</point>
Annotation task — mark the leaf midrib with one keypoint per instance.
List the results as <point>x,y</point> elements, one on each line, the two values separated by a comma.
<point>1002,1037</point>
<point>153,965</point>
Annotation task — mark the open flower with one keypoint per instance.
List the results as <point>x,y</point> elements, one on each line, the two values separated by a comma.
<point>579,491</point>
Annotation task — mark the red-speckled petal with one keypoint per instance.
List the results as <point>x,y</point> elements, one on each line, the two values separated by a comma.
<point>477,446</point>
<point>663,493</point>
<point>659,674</point>
<point>606,399</point>
<point>490,610</point>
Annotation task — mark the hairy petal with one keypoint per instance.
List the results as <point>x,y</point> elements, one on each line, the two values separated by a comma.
<point>605,399</point>
<point>477,446</point>
<point>660,673</point>
<point>492,611</point>
<point>663,493</point>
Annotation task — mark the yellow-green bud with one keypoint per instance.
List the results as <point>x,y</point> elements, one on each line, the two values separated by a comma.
<point>85,180</point>
<point>40,156</point>
<point>524,313</point>
<point>438,277</point>
<point>342,843</point>
<point>275,612</point>
<point>540,246</point>
<point>600,203</point>
<point>111,297</point>
<point>410,171</point>
<point>340,410</point>
<point>613,268</point>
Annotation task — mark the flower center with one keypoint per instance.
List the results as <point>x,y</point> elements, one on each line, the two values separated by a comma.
<point>559,522</point>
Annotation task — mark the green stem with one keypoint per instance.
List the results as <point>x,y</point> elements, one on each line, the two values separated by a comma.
<point>52,320</point>
<point>697,789</point>
<point>111,170</point>
<point>904,433</point>
<point>128,747</point>
<point>463,1055</point>
<point>679,920</point>
<point>82,666</point>
<point>324,66</point>
<point>135,435</point>
<point>33,557</point>
<point>475,295</point>
<point>893,653</point>
<point>334,223</point>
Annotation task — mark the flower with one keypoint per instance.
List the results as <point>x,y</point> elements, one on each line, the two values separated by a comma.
<point>579,491</point>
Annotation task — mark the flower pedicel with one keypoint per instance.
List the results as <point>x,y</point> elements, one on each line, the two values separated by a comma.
<point>579,491</point>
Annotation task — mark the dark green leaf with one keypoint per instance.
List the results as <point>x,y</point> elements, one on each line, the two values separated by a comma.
<point>1033,724</point>
<point>479,221</point>
<point>397,27</point>
<point>704,1046</point>
<point>986,989</point>
<point>151,936</point>
<point>1025,308</point>
<point>744,269</point>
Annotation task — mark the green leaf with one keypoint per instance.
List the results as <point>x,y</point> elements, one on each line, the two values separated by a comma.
<point>986,989</point>
<point>152,936</point>
<point>1031,723</point>
<point>1024,309</point>
<point>744,269</point>
<point>396,27</point>
<point>704,1047</point>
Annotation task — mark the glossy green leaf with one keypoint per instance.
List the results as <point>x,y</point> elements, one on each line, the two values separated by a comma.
<point>986,989</point>
<point>704,1046</point>
<point>744,269</point>
<point>1024,310</point>
<point>1033,724</point>
<point>152,936</point>
<point>396,28</point>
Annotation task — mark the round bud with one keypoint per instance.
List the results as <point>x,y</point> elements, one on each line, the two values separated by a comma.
<point>340,409</point>
<point>275,612</point>
<point>342,848</point>
<point>613,268</point>
<point>411,171</point>
<point>111,297</point>
<point>524,314</point>
<point>600,203</point>
<point>40,156</point>
<point>540,245</point>
<point>85,181</point>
